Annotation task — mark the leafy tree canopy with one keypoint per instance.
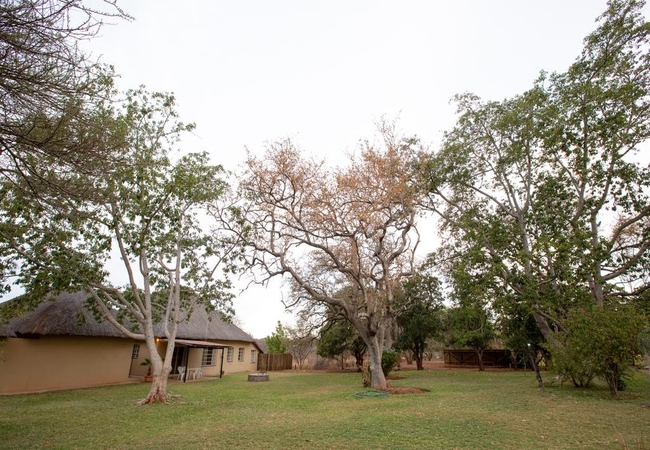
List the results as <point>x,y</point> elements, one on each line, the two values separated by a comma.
<point>277,341</point>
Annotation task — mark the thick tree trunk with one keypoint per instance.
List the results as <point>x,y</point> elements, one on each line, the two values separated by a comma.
<point>545,329</point>
<point>160,368</point>
<point>418,361</point>
<point>158,391</point>
<point>378,380</point>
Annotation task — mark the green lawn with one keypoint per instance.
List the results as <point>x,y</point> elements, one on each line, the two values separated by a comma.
<point>463,409</point>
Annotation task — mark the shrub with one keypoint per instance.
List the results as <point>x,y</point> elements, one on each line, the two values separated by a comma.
<point>598,342</point>
<point>570,364</point>
<point>388,361</point>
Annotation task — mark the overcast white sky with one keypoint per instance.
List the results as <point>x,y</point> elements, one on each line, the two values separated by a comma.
<point>321,72</point>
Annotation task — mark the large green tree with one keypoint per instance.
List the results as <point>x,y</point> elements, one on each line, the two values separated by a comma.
<point>153,215</point>
<point>418,316</point>
<point>338,339</point>
<point>543,195</point>
<point>277,341</point>
<point>55,141</point>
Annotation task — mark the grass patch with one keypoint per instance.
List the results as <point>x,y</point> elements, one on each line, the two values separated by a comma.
<point>462,410</point>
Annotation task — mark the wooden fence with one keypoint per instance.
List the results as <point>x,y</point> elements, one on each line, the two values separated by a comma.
<point>491,358</point>
<point>274,361</point>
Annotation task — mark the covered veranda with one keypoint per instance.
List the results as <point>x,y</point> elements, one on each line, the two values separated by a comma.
<point>181,358</point>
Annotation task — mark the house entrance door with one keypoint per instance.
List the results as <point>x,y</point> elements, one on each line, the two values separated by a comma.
<point>179,357</point>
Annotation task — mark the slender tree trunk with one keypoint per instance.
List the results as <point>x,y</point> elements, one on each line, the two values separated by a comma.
<point>481,367</point>
<point>538,375</point>
<point>359,358</point>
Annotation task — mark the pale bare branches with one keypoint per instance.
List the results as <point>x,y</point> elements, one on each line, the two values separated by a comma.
<point>330,229</point>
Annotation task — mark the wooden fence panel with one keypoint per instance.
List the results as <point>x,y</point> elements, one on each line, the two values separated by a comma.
<point>274,361</point>
<point>491,358</point>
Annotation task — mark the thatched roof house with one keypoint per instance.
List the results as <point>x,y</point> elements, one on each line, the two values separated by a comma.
<point>68,316</point>
<point>62,345</point>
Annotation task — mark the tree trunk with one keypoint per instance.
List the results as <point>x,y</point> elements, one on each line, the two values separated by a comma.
<point>158,391</point>
<point>513,359</point>
<point>479,353</point>
<point>546,330</point>
<point>160,369</point>
<point>538,375</point>
<point>418,361</point>
<point>378,380</point>
<point>359,360</point>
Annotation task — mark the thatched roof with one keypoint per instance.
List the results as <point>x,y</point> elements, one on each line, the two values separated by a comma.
<point>68,316</point>
<point>261,344</point>
<point>203,326</point>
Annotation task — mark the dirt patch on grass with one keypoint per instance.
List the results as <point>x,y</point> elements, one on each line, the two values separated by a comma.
<point>395,377</point>
<point>439,364</point>
<point>406,390</point>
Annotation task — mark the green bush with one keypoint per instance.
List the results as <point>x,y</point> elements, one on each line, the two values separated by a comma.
<point>388,361</point>
<point>599,342</point>
<point>569,363</point>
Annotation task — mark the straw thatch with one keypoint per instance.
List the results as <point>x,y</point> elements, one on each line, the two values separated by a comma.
<point>262,345</point>
<point>68,316</point>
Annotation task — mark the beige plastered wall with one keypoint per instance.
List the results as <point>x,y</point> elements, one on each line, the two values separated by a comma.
<point>53,363</point>
<point>195,358</point>
<point>236,366</point>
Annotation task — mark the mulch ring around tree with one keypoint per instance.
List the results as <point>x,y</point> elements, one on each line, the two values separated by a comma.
<point>402,389</point>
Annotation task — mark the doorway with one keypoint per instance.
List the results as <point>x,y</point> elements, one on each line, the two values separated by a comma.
<point>179,358</point>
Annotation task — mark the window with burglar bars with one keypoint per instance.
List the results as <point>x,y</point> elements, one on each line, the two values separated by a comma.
<point>136,351</point>
<point>208,358</point>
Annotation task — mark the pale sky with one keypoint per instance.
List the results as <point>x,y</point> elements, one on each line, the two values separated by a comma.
<point>322,73</point>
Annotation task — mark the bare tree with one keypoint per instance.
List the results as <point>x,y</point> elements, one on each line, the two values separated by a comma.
<point>326,229</point>
<point>301,341</point>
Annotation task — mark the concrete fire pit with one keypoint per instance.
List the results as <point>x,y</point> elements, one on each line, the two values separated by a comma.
<point>258,377</point>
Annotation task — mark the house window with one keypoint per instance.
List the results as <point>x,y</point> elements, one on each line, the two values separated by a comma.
<point>208,358</point>
<point>252,356</point>
<point>229,356</point>
<point>136,351</point>
<point>240,355</point>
